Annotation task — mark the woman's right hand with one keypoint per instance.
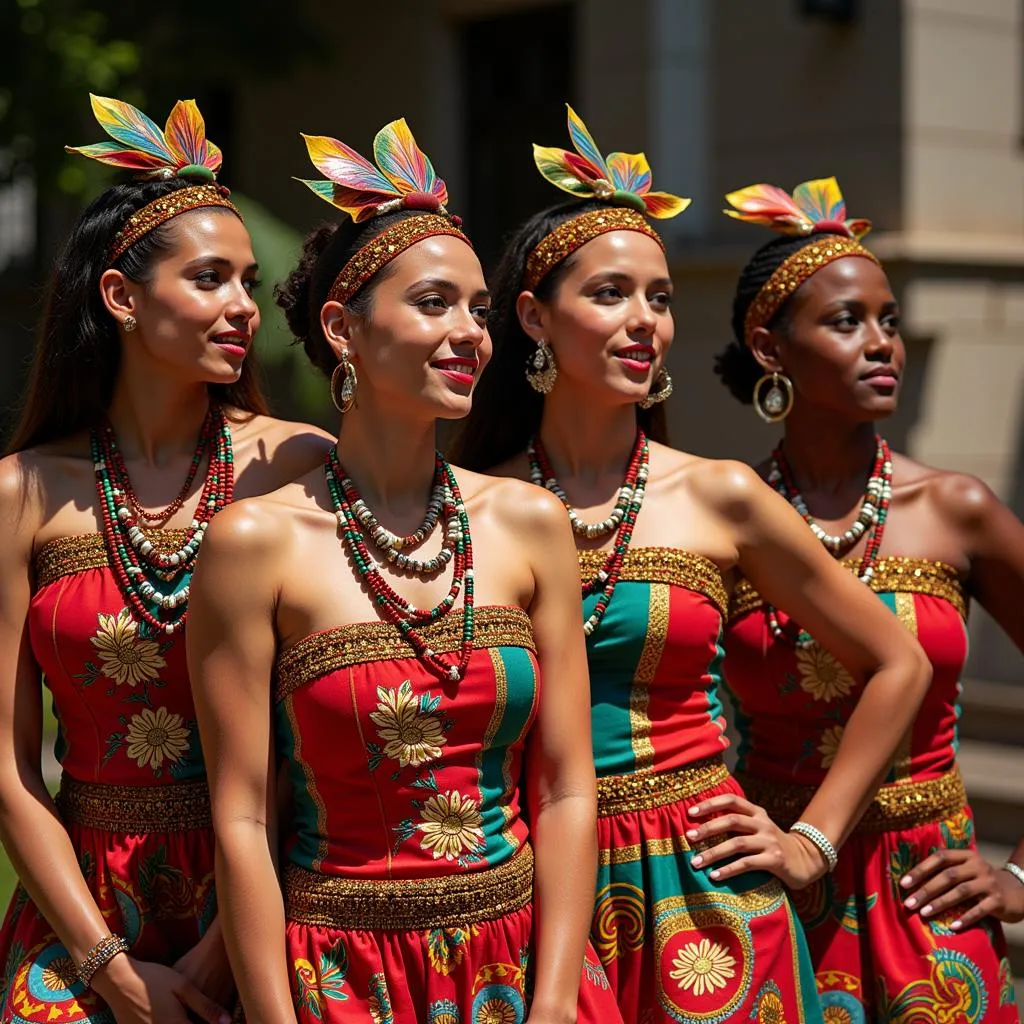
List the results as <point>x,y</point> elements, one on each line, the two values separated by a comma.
<point>142,992</point>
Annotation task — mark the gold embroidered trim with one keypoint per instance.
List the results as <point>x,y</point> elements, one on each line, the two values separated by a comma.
<point>895,574</point>
<point>643,791</point>
<point>325,652</point>
<point>665,565</point>
<point>640,690</point>
<point>896,806</point>
<point>64,556</point>
<point>448,901</point>
<point>134,810</point>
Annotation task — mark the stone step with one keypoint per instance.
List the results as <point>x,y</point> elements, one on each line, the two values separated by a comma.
<point>993,712</point>
<point>994,776</point>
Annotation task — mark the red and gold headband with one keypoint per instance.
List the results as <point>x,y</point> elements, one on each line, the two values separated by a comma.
<point>623,180</point>
<point>815,207</point>
<point>403,179</point>
<point>181,150</point>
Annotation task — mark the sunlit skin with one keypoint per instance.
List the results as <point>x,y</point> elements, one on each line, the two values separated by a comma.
<point>274,571</point>
<point>196,320</point>
<point>841,347</point>
<point>617,295</point>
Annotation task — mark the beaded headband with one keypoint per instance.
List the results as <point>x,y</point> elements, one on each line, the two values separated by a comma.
<point>403,179</point>
<point>816,207</point>
<point>623,180</point>
<point>181,150</point>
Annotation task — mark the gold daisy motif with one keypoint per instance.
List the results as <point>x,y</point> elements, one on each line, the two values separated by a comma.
<point>60,974</point>
<point>829,745</point>
<point>127,657</point>
<point>821,675</point>
<point>702,967</point>
<point>837,1015</point>
<point>771,1010</point>
<point>495,1011</point>
<point>451,825</point>
<point>155,735</point>
<point>410,736</point>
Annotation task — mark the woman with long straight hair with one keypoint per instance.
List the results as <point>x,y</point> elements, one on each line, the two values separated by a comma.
<point>143,419</point>
<point>691,916</point>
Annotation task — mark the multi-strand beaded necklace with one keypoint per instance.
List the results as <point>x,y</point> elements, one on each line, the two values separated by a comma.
<point>874,511</point>
<point>620,521</point>
<point>357,522</point>
<point>155,583</point>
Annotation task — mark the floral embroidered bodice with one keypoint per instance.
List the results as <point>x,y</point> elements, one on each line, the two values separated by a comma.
<point>656,662</point>
<point>396,774</point>
<point>121,693</point>
<point>793,703</point>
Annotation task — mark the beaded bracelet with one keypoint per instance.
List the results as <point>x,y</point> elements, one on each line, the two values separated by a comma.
<point>1016,870</point>
<point>820,840</point>
<point>99,956</point>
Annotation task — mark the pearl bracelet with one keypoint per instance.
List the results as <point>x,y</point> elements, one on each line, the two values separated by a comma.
<point>1016,870</point>
<point>820,840</point>
<point>99,956</point>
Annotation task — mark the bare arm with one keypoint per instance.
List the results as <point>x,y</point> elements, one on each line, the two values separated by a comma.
<point>788,566</point>
<point>231,646</point>
<point>560,765</point>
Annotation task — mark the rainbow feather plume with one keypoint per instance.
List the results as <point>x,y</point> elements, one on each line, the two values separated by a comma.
<point>815,205</point>
<point>139,144</point>
<point>624,178</point>
<point>354,185</point>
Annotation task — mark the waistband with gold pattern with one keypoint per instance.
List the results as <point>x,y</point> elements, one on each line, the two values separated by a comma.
<point>643,791</point>
<point>135,810</point>
<point>448,901</point>
<point>896,806</point>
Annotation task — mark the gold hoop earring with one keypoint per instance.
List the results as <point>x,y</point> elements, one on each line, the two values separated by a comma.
<point>541,369</point>
<point>662,389</point>
<point>348,385</point>
<point>777,403</point>
<point>129,323</point>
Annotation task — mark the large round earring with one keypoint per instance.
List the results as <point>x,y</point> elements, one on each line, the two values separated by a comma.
<point>349,382</point>
<point>129,323</point>
<point>661,390</point>
<point>541,369</point>
<point>778,401</point>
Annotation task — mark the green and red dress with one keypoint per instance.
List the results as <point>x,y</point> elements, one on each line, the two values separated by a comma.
<point>676,946</point>
<point>133,793</point>
<point>873,958</point>
<point>408,873</point>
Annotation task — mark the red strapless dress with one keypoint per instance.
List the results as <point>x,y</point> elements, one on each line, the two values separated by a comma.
<point>408,874</point>
<point>874,960</point>
<point>133,792</point>
<point>676,945</point>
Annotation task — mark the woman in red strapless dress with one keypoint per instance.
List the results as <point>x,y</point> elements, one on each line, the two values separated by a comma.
<point>419,686</point>
<point>690,922</point>
<point>145,344</point>
<point>907,926</point>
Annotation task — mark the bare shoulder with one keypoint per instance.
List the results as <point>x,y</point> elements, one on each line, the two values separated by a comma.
<point>25,480</point>
<point>726,486</point>
<point>962,500</point>
<point>515,503</point>
<point>273,452</point>
<point>247,529</point>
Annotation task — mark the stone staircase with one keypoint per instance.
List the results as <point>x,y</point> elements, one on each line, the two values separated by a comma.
<point>992,761</point>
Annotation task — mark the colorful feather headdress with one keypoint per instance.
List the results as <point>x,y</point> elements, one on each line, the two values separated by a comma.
<point>816,207</point>
<point>623,180</point>
<point>404,179</point>
<point>180,150</point>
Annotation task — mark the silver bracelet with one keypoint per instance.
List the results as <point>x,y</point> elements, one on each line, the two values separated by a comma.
<point>820,840</point>
<point>1016,870</point>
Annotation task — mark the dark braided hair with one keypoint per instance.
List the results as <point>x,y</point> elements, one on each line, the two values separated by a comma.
<point>735,364</point>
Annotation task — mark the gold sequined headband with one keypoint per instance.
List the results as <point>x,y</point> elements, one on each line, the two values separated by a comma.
<point>792,273</point>
<point>571,234</point>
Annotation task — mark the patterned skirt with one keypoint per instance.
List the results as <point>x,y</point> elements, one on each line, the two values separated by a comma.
<point>448,950</point>
<point>147,855</point>
<point>676,947</point>
<point>874,959</point>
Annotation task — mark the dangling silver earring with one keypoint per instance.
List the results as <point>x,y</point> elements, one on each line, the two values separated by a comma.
<point>541,370</point>
<point>129,323</point>
<point>350,382</point>
<point>661,390</point>
<point>778,401</point>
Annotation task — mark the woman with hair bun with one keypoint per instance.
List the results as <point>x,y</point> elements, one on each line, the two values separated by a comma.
<point>689,921</point>
<point>143,419</point>
<point>906,928</point>
<point>405,637</point>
